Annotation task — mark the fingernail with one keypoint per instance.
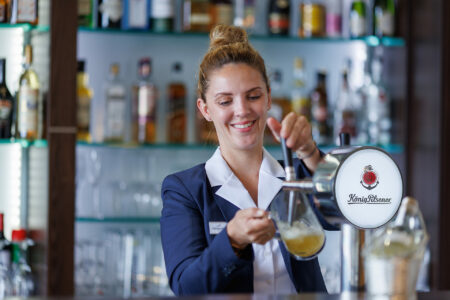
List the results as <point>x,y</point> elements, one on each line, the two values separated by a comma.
<point>260,213</point>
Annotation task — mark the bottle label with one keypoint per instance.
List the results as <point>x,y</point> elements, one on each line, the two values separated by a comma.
<point>137,13</point>
<point>146,107</point>
<point>278,22</point>
<point>313,19</point>
<point>83,113</point>
<point>387,24</point>
<point>162,9</point>
<point>84,7</point>
<point>5,110</point>
<point>115,116</point>
<point>200,19</point>
<point>112,8</point>
<point>357,24</point>
<point>26,10</point>
<point>28,110</point>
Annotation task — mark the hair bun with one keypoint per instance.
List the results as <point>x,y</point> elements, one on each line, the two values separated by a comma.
<point>222,35</point>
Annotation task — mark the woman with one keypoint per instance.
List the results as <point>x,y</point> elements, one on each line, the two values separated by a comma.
<point>216,234</point>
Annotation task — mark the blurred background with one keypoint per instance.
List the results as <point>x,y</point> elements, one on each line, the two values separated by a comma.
<point>98,105</point>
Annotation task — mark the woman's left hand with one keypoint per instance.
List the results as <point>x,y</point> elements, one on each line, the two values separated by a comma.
<point>297,132</point>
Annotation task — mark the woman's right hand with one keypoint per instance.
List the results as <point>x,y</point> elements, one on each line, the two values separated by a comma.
<point>250,225</point>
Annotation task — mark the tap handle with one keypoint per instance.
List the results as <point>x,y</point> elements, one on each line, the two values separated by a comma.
<point>287,154</point>
<point>344,139</point>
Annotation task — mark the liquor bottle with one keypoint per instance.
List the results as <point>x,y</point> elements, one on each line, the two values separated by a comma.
<point>6,104</point>
<point>144,104</point>
<point>313,19</point>
<point>27,100</point>
<point>319,110</point>
<point>162,15</point>
<point>197,16</point>
<point>345,113</point>
<point>358,15</point>
<point>4,9</point>
<point>85,13</point>
<point>136,14</point>
<point>281,105</point>
<point>5,262</point>
<point>22,279</point>
<point>221,12</point>
<point>301,103</point>
<point>384,17</point>
<point>84,99</point>
<point>176,114</point>
<point>110,13</point>
<point>244,14</point>
<point>24,11</point>
<point>116,107</point>
<point>334,18</point>
<point>279,11</point>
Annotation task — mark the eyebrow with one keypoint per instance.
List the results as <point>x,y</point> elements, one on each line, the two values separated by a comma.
<point>228,93</point>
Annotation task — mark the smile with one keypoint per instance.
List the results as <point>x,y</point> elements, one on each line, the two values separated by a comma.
<point>243,125</point>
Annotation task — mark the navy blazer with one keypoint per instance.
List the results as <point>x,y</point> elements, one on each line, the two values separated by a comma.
<point>198,262</point>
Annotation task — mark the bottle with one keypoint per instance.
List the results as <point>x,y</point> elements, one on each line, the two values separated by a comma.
<point>110,13</point>
<point>221,12</point>
<point>301,103</point>
<point>334,18</point>
<point>136,14</point>
<point>84,99</point>
<point>27,100</point>
<point>5,262</point>
<point>244,14</point>
<point>22,280</point>
<point>281,105</point>
<point>197,16</point>
<point>345,112</point>
<point>358,15</point>
<point>144,105</point>
<point>176,114</point>
<point>162,15</point>
<point>85,13</point>
<point>6,104</point>
<point>313,19</point>
<point>279,11</point>
<point>319,110</point>
<point>116,107</point>
<point>384,17</point>
<point>24,11</point>
<point>4,8</point>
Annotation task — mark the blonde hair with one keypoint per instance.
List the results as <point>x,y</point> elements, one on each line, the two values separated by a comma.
<point>228,44</point>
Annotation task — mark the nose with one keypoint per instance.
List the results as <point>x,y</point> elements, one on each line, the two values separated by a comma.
<point>242,107</point>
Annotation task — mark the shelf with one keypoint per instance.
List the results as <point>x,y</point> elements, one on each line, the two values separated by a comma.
<point>26,27</point>
<point>368,40</point>
<point>25,143</point>
<point>118,220</point>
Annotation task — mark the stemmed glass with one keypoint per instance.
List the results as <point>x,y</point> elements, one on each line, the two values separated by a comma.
<point>93,175</point>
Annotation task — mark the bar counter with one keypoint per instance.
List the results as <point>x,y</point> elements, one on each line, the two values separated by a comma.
<point>435,295</point>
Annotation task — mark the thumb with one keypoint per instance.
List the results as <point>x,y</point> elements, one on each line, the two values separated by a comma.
<point>275,127</point>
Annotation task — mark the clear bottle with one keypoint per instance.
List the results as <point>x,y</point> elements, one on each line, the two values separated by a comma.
<point>116,107</point>
<point>244,14</point>
<point>384,12</point>
<point>84,99</point>
<point>334,18</point>
<point>144,105</point>
<point>110,13</point>
<point>6,104</point>
<point>162,15</point>
<point>301,103</point>
<point>24,11</point>
<point>345,113</point>
<point>27,100</point>
<point>176,113</point>
<point>279,12</point>
<point>358,18</point>
<point>313,19</point>
<point>319,110</point>
<point>196,15</point>
<point>136,14</point>
<point>22,279</point>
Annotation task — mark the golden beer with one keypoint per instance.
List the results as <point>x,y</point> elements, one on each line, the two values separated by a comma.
<point>301,240</point>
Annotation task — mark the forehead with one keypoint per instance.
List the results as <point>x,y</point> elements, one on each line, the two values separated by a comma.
<point>234,75</point>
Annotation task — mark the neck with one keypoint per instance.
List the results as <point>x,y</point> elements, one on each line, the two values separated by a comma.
<point>243,162</point>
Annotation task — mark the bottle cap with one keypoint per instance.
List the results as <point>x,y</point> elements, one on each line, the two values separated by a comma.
<point>145,66</point>
<point>81,65</point>
<point>18,235</point>
<point>177,67</point>
<point>114,68</point>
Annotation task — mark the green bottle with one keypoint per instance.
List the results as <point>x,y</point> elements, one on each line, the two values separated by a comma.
<point>358,27</point>
<point>384,17</point>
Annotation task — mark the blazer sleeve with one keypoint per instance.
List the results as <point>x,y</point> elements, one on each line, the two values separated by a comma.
<point>193,266</point>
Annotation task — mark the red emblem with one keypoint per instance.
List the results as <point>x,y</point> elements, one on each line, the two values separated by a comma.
<point>369,178</point>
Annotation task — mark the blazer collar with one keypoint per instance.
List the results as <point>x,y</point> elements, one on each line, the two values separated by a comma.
<point>231,189</point>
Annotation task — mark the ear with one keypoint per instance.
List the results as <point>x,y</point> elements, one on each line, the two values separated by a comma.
<point>203,108</point>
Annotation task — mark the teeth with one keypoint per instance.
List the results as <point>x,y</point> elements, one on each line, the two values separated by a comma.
<point>243,125</point>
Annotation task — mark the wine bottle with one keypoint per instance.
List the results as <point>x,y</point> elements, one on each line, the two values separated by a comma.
<point>197,16</point>
<point>384,17</point>
<point>319,103</point>
<point>221,12</point>
<point>84,98</point>
<point>279,17</point>
<point>4,8</point>
<point>24,11</point>
<point>116,107</point>
<point>85,13</point>
<point>136,14</point>
<point>162,15</point>
<point>358,26</point>
<point>6,104</point>
<point>176,115</point>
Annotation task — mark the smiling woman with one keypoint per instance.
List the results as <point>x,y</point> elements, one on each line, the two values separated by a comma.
<point>216,233</point>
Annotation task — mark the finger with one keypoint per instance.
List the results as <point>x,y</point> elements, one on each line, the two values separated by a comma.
<point>294,136</point>
<point>287,124</point>
<point>275,127</point>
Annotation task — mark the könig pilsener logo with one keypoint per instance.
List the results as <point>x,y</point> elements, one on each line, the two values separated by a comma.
<point>369,178</point>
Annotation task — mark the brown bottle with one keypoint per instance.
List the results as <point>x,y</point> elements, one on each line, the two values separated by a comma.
<point>319,103</point>
<point>176,114</point>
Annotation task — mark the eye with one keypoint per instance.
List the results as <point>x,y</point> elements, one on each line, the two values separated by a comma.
<point>254,97</point>
<point>224,101</point>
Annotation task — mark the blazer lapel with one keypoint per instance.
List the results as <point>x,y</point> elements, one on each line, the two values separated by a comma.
<point>227,208</point>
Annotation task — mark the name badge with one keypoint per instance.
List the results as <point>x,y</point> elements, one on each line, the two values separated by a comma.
<point>216,227</point>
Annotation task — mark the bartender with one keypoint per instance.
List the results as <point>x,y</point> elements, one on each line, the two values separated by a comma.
<point>216,233</point>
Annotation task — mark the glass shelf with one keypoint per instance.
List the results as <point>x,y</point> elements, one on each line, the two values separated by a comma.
<point>27,27</point>
<point>118,220</point>
<point>368,40</point>
<point>25,143</point>
<point>391,148</point>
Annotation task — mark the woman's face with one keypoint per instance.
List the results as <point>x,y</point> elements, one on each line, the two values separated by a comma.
<point>237,102</point>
